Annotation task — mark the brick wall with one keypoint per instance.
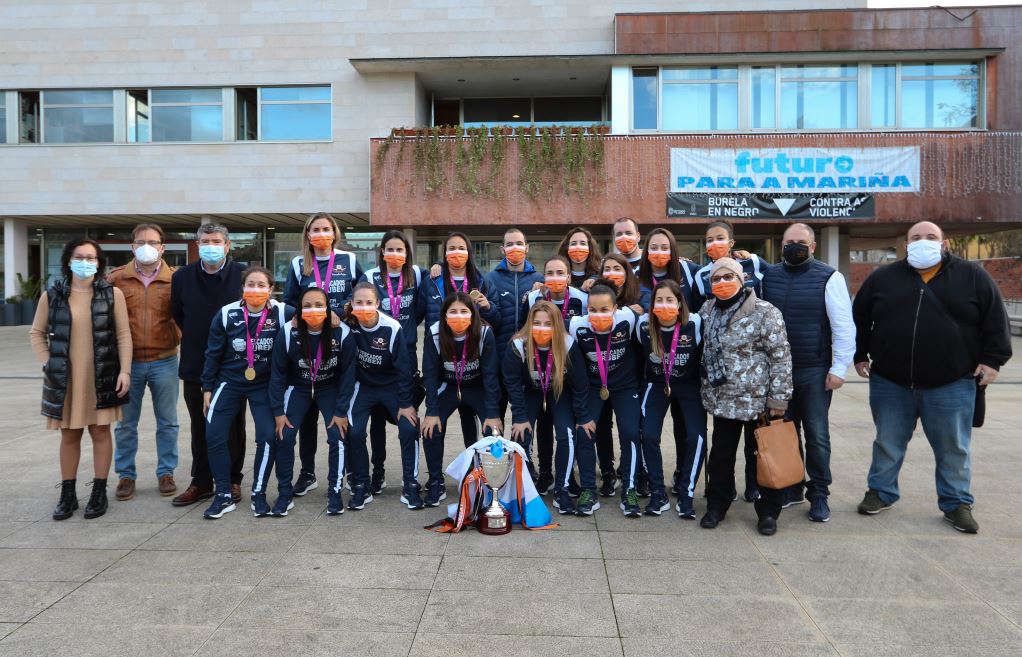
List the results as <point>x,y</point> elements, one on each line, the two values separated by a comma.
<point>1006,272</point>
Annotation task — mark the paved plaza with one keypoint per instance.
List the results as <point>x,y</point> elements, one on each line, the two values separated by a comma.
<point>151,579</point>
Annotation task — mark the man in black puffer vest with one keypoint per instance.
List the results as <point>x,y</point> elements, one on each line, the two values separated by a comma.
<point>817,310</point>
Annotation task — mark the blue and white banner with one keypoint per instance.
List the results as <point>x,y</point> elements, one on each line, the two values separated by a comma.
<point>794,170</point>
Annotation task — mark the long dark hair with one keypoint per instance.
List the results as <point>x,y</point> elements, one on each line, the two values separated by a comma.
<point>629,293</point>
<point>593,263</point>
<point>406,272</point>
<point>303,327</point>
<point>471,273</point>
<point>448,349</point>
<point>646,267</point>
<point>69,249</point>
<point>346,316</point>
<point>654,321</point>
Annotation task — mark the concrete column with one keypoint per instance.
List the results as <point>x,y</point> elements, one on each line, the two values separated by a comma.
<point>15,254</point>
<point>830,246</point>
<point>620,99</point>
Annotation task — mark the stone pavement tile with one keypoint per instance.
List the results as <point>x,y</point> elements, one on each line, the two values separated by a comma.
<point>232,642</point>
<point>128,603</point>
<point>551,543</point>
<point>8,527</point>
<point>693,577</point>
<point>224,535</point>
<point>570,523</point>
<point>937,624</point>
<point>799,548</point>
<point>21,601</point>
<point>916,522</point>
<point>54,565</point>
<point>487,645</point>
<point>1012,611</point>
<point>714,618</point>
<point>999,585</point>
<point>7,628</point>
<point>333,535</point>
<point>146,506</point>
<point>19,507</point>
<point>521,613</point>
<point>844,520</point>
<point>330,608</point>
<point>307,510</point>
<point>83,535</point>
<point>522,574</point>
<point>143,567</point>
<point>874,581</point>
<point>961,549</point>
<point>91,640</point>
<point>671,647</point>
<point>353,571</point>
<point>610,518</point>
<point>692,543</point>
<point>851,650</point>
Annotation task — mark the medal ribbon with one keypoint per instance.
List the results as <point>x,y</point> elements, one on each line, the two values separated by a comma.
<point>603,364</point>
<point>395,301</point>
<point>317,361</point>
<point>320,282</point>
<point>668,361</point>
<point>460,365</point>
<point>544,380</point>
<point>464,284</point>
<point>564,304</point>
<point>249,342</point>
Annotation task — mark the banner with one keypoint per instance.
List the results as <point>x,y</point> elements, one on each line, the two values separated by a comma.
<point>812,207</point>
<point>794,170</point>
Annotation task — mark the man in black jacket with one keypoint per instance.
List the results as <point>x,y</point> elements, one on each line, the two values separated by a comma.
<point>197,293</point>
<point>929,329</point>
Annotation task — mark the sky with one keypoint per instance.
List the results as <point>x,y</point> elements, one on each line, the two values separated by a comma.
<point>931,3</point>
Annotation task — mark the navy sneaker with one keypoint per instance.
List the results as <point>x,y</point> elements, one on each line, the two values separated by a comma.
<point>685,508</point>
<point>360,496</point>
<point>306,482</point>
<point>630,504</point>
<point>436,492</point>
<point>259,506</point>
<point>609,485</point>
<point>545,483</point>
<point>791,498</point>
<point>283,504</point>
<point>222,503</point>
<point>588,502</point>
<point>658,503</point>
<point>377,483</point>
<point>564,503</point>
<point>642,484</point>
<point>819,510</point>
<point>334,503</point>
<point>411,495</point>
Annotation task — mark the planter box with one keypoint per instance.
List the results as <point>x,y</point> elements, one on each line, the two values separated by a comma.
<point>11,314</point>
<point>28,310</point>
<point>601,129</point>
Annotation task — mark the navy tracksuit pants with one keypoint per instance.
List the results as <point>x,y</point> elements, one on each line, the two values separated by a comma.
<point>228,398</point>
<point>625,404</point>
<point>561,417</point>
<point>365,400</point>
<point>299,404</point>
<point>692,447</point>
<point>473,398</point>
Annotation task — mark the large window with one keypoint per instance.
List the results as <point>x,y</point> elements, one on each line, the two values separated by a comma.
<point>3,117</point>
<point>294,113</point>
<point>645,98</point>
<point>819,97</point>
<point>939,95</point>
<point>540,111</point>
<point>78,116</point>
<point>187,114</point>
<point>700,98</point>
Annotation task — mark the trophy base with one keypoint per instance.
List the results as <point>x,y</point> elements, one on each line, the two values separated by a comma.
<point>494,525</point>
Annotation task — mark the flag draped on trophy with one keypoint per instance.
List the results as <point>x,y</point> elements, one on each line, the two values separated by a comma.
<point>518,495</point>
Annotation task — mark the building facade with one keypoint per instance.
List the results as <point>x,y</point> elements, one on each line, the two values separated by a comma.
<point>255,114</point>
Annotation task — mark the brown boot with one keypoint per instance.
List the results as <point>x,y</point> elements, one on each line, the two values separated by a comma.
<point>167,485</point>
<point>192,495</point>
<point>125,489</point>
<point>236,492</point>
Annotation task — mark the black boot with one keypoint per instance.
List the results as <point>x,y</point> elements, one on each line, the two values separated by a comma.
<point>97,501</point>
<point>68,503</point>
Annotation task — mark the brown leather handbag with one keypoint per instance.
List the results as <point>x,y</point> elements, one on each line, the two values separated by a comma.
<point>778,460</point>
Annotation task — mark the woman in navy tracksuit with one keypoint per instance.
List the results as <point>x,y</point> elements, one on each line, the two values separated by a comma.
<point>312,368</point>
<point>584,255</point>
<point>236,369</point>
<point>604,336</point>
<point>672,354</point>
<point>325,266</point>
<point>397,283</point>
<point>383,379</point>
<point>458,273</point>
<point>459,368</point>
<point>544,371</point>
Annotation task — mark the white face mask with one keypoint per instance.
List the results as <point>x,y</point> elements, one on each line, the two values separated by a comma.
<point>923,254</point>
<point>146,254</point>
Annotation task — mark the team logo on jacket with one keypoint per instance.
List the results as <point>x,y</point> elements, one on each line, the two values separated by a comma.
<point>620,335</point>
<point>684,339</point>
<point>238,344</point>
<point>379,343</point>
<point>270,323</point>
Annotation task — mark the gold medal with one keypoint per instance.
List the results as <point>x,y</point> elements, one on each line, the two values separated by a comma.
<point>604,394</point>
<point>457,391</point>
<point>667,391</point>
<point>250,373</point>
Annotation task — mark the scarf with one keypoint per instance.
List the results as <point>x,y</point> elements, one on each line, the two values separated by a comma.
<point>713,351</point>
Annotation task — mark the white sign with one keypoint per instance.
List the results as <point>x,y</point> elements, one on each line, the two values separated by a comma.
<point>794,170</point>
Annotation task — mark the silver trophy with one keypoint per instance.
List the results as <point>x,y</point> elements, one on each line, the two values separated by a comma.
<point>496,471</point>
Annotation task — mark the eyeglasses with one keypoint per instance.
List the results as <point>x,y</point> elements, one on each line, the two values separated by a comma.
<point>89,259</point>
<point>727,278</point>
<point>152,243</point>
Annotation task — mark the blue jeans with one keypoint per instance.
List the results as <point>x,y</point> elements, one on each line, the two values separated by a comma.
<point>946,414</point>
<point>161,377</point>
<point>810,409</point>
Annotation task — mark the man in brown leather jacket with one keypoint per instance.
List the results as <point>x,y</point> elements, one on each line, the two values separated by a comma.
<point>145,282</point>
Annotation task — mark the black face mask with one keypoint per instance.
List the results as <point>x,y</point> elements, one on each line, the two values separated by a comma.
<point>795,254</point>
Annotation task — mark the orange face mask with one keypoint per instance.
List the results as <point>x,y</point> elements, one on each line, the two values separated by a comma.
<point>365,315</point>
<point>665,313</point>
<point>556,284</point>
<point>724,290</point>
<point>322,240</point>
<point>659,259</point>
<point>578,254</point>
<point>515,255</point>
<point>601,321</point>
<point>717,250</point>
<point>394,260</point>
<point>255,298</point>
<point>542,335</point>
<point>458,323</point>
<point>615,277</point>
<point>457,259</point>
<point>624,244</point>
<point>314,317</point>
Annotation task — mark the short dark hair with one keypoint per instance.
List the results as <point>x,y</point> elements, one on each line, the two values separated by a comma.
<point>256,269</point>
<point>722,224</point>
<point>69,249</point>
<point>207,229</point>
<point>139,228</point>
<point>635,224</point>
